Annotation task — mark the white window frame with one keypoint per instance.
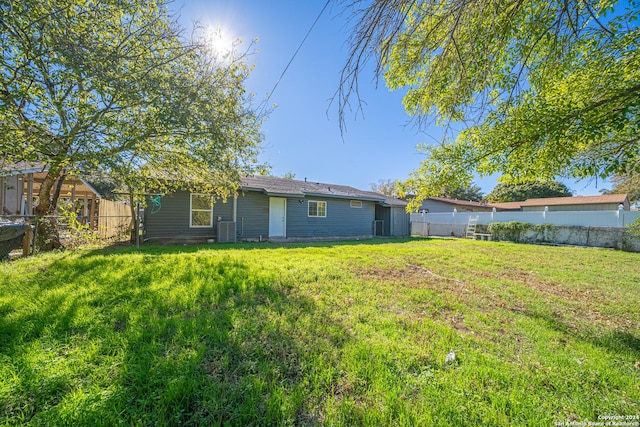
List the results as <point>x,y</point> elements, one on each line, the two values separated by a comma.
<point>356,204</point>
<point>318,203</point>
<point>192,210</point>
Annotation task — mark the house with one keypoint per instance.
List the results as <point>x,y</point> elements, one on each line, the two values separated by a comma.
<point>446,204</point>
<point>20,183</point>
<point>507,206</point>
<point>607,202</point>
<point>275,208</point>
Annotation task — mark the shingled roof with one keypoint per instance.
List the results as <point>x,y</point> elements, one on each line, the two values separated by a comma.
<point>284,187</point>
<point>19,168</point>
<point>459,202</point>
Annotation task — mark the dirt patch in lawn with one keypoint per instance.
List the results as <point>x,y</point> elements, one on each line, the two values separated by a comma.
<point>576,307</point>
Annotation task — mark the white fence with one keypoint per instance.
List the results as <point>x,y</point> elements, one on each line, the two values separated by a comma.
<point>444,224</point>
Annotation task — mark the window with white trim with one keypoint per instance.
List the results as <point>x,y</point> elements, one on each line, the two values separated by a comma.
<point>201,211</point>
<point>356,204</point>
<point>317,209</point>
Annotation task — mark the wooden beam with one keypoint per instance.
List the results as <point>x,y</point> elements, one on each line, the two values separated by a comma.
<point>93,213</point>
<point>85,206</point>
<point>26,242</point>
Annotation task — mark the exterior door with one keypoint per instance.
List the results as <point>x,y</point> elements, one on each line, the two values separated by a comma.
<point>277,217</point>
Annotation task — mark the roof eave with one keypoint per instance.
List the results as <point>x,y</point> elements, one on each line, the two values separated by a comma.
<point>344,196</point>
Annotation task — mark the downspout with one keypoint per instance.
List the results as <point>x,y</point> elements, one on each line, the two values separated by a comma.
<point>235,216</point>
<point>235,208</point>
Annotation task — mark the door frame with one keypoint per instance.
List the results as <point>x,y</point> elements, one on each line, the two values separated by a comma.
<point>272,203</point>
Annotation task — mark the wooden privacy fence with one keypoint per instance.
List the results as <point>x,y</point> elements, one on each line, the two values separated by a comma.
<point>114,219</point>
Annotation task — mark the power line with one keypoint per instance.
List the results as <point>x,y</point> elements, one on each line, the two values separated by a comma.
<point>266,101</point>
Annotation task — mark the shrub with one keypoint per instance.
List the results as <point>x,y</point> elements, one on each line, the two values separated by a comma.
<point>634,227</point>
<point>511,230</point>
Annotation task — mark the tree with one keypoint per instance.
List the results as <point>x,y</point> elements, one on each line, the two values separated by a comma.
<point>289,175</point>
<point>507,192</point>
<point>540,88</point>
<point>114,85</point>
<point>386,187</point>
<point>472,193</point>
<point>625,184</point>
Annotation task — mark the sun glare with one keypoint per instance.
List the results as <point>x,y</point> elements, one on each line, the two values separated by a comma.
<point>220,40</point>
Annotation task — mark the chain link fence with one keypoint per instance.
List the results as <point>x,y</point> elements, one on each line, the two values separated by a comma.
<point>72,230</point>
<point>12,236</point>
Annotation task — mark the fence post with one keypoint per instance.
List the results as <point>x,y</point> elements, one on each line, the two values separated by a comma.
<point>620,216</point>
<point>26,241</point>
<point>138,229</point>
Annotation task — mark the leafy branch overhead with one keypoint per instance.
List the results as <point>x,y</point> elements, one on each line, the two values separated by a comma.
<point>117,86</point>
<point>539,88</point>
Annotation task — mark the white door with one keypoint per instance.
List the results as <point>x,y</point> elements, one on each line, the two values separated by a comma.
<point>277,217</point>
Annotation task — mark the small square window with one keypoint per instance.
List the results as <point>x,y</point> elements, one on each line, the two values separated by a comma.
<point>356,204</point>
<point>317,209</point>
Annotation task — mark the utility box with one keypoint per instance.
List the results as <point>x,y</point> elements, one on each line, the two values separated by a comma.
<point>226,232</point>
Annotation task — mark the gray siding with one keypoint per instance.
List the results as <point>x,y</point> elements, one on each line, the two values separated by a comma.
<point>252,218</point>
<point>399,223</point>
<point>436,206</point>
<point>223,210</point>
<point>171,221</point>
<point>395,221</point>
<point>253,215</point>
<point>341,219</point>
<point>383,214</point>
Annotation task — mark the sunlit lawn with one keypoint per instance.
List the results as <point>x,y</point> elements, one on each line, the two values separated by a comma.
<point>347,333</point>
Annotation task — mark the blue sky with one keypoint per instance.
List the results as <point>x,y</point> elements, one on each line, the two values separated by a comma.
<point>302,134</point>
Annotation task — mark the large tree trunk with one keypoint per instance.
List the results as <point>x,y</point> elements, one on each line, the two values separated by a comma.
<point>47,230</point>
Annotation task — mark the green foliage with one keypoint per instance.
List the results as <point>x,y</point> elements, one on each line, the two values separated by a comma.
<point>342,333</point>
<point>386,186</point>
<point>472,193</point>
<point>543,88</point>
<point>626,184</point>
<point>634,227</point>
<point>289,175</point>
<point>115,86</point>
<point>511,230</point>
<point>507,192</point>
<point>514,231</point>
<point>75,234</point>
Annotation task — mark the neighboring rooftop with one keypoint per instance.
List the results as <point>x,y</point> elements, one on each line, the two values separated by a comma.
<point>72,184</point>
<point>19,168</point>
<point>458,202</point>
<point>576,200</point>
<point>617,199</point>
<point>507,206</point>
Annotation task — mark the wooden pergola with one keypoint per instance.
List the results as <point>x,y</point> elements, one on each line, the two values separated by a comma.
<point>29,177</point>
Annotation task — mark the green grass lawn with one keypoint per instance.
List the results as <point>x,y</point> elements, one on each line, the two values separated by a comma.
<point>343,333</point>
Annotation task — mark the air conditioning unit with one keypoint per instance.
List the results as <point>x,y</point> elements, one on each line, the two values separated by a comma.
<point>226,232</point>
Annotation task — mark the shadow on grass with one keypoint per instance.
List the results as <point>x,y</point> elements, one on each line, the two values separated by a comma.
<point>613,340</point>
<point>213,342</point>
<point>190,248</point>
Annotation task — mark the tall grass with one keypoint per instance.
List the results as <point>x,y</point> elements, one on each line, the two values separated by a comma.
<point>349,333</point>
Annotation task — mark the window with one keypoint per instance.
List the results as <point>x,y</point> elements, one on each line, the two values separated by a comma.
<point>201,211</point>
<point>356,204</point>
<point>318,209</point>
